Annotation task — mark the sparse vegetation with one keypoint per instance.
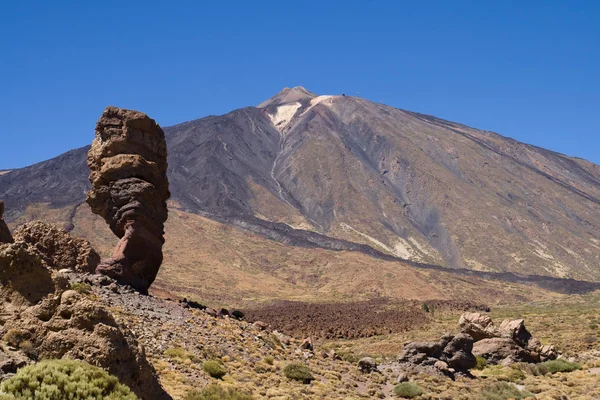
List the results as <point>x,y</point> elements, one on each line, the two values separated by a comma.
<point>81,287</point>
<point>65,380</point>
<point>502,391</point>
<point>555,366</point>
<point>216,392</point>
<point>408,390</point>
<point>298,372</point>
<point>14,337</point>
<point>214,368</point>
<point>481,363</point>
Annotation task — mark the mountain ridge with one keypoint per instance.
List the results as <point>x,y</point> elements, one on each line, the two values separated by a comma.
<point>405,184</point>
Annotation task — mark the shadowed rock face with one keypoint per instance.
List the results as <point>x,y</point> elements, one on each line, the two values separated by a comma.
<point>128,160</point>
<point>5,236</point>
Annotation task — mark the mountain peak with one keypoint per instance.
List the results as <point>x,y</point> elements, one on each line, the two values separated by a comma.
<point>288,95</point>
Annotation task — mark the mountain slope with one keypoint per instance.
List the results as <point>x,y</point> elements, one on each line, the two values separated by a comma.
<point>338,167</point>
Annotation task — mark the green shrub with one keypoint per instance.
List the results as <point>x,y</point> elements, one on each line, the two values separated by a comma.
<point>81,287</point>
<point>273,341</point>
<point>298,372</point>
<point>502,391</point>
<point>555,366</point>
<point>214,369</point>
<point>65,380</point>
<point>215,392</point>
<point>534,369</point>
<point>481,363</point>
<point>408,390</point>
<point>269,360</point>
<point>15,337</point>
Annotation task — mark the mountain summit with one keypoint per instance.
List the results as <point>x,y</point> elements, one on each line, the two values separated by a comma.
<point>341,172</point>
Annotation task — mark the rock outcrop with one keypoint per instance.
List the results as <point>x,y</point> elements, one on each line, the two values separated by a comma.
<point>43,319</point>
<point>510,342</point>
<point>5,236</point>
<point>449,356</point>
<point>128,160</point>
<point>58,249</point>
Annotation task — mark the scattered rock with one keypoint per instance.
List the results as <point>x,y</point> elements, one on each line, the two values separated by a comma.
<point>367,365</point>
<point>223,312</point>
<point>237,314</point>
<point>307,344</point>
<point>58,249</point>
<point>261,325</point>
<point>211,312</point>
<point>402,377</point>
<point>128,162</point>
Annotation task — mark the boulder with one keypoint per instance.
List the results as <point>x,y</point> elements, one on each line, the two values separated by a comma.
<point>367,365</point>
<point>503,350</point>
<point>128,163</point>
<point>5,236</point>
<point>478,326</point>
<point>452,354</point>
<point>58,249</point>
<point>306,344</point>
<point>515,329</point>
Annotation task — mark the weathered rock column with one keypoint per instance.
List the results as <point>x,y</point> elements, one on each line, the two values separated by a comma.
<point>5,236</point>
<point>128,160</point>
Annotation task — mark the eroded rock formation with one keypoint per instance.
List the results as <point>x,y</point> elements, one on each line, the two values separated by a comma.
<point>42,319</point>
<point>510,342</point>
<point>58,249</point>
<point>128,160</point>
<point>5,236</point>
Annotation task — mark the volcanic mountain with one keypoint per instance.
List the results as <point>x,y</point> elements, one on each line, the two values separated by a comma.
<point>342,173</point>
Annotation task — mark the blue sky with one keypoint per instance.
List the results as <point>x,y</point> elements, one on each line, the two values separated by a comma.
<point>524,69</point>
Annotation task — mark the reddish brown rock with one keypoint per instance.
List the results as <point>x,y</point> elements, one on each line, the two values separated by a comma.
<point>128,160</point>
<point>57,248</point>
<point>5,236</point>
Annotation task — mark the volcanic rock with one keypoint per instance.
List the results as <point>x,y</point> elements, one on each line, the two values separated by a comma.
<point>367,365</point>
<point>510,342</point>
<point>477,325</point>
<point>58,249</point>
<point>128,160</point>
<point>450,355</point>
<point>44,320</point>
<point>502,351</point>
<point>5,236</point>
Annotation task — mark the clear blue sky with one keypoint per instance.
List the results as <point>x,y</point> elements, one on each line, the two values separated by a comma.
<point>525,69</point>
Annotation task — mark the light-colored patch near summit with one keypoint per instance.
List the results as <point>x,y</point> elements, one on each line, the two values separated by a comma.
<point>4,172</point>
<point>283,115</point>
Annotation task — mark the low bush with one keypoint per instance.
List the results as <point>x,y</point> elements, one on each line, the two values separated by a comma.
<point>65,380</point>
<point>298,372</point>
<point>408,390</point>
<point>502,391</point>
<point>81,287</point>
<point>216,392</point>
<point>555,366</point>
<point>214,368</point>
<point>15,337</point>
<point>481,363</point>
<point>269,360</point>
